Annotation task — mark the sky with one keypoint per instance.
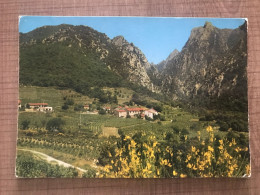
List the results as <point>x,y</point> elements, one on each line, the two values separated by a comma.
<point>156,37</point>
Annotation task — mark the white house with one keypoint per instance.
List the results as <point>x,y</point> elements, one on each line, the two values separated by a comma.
<point>45,109</point>
<point>37,105</point>
<point>150,113</point>
<point>120,112</point>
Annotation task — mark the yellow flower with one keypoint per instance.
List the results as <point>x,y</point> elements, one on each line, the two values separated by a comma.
<point>174,173</point>
<point>154,144</point>
<point>221,147</point>
<point>234,141</point>
<point>183,175</point>
<point>237,149</point>
<point>188,158</point>
<point>209,129</point>
<point>193,149</point>
<point>220,141</point>
<point>127,137</point>
<point>210,149</point>
<point>189,165</point>
<point>133,143</point>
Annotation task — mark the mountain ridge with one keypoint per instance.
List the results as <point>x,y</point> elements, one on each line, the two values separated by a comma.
<point>209,62</point>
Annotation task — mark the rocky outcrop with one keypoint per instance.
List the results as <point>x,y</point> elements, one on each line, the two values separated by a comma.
<point>211,64</point>
<point>162,64</point>
<point>135,63</point>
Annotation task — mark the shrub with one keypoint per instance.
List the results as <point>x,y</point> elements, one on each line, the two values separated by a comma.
<point>55,123</point>
<point>25,124</point>
<point>78,107</point>
<point>65,107</point>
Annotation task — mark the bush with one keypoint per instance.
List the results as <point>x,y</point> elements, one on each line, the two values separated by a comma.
<point>79,107</point>
<point>65,107</point>
<point>223,126</point>
<point>55,123</point>
<point>25,124</point>
<point>69,102</point>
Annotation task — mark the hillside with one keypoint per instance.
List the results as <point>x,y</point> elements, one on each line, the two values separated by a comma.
<point>79,57</point>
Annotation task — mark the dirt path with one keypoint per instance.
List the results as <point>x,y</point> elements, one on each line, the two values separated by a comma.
<point>51,159</point>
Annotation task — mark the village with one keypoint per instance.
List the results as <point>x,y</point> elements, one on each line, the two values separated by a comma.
<point>119,111</point>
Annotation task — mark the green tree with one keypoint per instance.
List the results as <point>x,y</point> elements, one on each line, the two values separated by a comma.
<point>25,124</point>
<point>55,123</point>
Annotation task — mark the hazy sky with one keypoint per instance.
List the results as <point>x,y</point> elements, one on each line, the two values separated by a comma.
<point>156,37</point>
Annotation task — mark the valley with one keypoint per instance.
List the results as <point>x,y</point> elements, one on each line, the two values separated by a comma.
<point>91,106</point>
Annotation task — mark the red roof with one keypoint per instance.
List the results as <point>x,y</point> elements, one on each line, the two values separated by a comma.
<point>135,109</point>
<point>38,104</point>
<point>152,110</point>
<point>121,111</point>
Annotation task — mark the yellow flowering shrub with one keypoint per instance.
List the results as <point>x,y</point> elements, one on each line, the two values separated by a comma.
<point>151,158</point>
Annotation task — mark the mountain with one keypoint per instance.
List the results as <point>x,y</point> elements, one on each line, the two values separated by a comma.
<point>135,63</point>
<point>211,65</point>
<point>80,57</point>
<point>163,63</point>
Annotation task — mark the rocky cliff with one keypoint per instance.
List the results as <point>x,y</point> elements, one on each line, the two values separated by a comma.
<point>212,64</point>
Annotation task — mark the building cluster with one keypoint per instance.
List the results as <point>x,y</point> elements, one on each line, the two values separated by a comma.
<point>135,111</point>
<point>119,111</point>
<point>42,107</point>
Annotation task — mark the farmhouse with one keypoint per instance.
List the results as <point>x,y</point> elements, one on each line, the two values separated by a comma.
<point>120,112</point>
<point>42,107</point>
<point>150,113</point>
<point>37,105</point>
<point>45,109</point>
<point>86,107</point>
<point>134,111</point>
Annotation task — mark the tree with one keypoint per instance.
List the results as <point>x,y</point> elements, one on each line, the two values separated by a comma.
<point>115,99</point>
<point>65,106</point>
<point>69,102</point>
<point>79,107</point>
<point>55,123</point>
<point>25,124</point>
